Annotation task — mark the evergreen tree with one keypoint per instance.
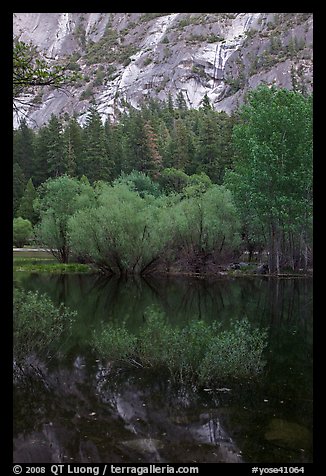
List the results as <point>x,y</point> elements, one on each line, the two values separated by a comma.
<point>114,146</point>
<point>96,164</point>
<point>181,147</point>
<point>136,148</point>
<point>26,209</point>
<point>19,182</point>
<point>24,148</point>
<point>213,151</point>
<point>154,158</point>
<point>55,148</point>
<point>164,143</point>
<point>170,103</point>
<point>41,169</point>
<point>205,103</point>
<point>73,146</point>
<point>181,103</point>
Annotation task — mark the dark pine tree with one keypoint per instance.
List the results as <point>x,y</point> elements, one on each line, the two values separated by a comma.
<point>73,146</point>
<point>19,182</point>
<point>26,209</point>
<point>40,166</point>
<point>55,148</point>
<point>96,163</point>
<point>24,151</point>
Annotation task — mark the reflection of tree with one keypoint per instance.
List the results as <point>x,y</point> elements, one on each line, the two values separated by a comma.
<point>282,305</point>
<point>265,301</point>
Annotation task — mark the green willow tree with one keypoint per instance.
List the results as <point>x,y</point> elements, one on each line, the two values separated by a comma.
<point>59,199</point>
<point>272,176</point>
<point>124,233</point>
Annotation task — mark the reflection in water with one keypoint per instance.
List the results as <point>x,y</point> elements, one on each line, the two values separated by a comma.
<point>78,411</point>
<point>96,298</point>
<point>87,416</point>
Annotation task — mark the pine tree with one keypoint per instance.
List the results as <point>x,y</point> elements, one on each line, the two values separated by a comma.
<point>96,163</point>
<point>205,103</point>
<point>19,182</point>
<point>164,143</point>
<point>135,146</point>
<point>40,166</point>
<point>213,146</point>
<point>24,148</point>
<point>181,147</point>
<point>181,102</point>
<point>170,103</point>
<point>114,146</point>
<point>73,146</point>
<point>154,158</point>
<point>55,148</point>
<point>26,209</point>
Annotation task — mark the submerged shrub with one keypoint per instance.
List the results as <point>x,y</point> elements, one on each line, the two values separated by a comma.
<point>114,343</point>
<point>155,340</point>
<point>37,323</point>
<point>198,354</point>
<point>234,353</point>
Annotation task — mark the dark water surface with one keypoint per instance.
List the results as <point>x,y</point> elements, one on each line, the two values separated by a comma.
<point>74,409</point>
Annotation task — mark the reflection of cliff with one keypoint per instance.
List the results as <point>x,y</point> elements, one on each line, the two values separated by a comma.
<point>81,415</point>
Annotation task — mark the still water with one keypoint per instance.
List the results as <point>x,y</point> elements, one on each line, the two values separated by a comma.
<point>75,410</point>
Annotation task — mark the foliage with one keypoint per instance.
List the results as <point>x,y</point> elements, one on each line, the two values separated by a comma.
<point>26,209</point>
<point>237,351</point>
<point>272,177</point>
<point>197,184</point>
<point>22,231</point>
<point>19,183</point>
<point>148,140</point>
<point>59,199</point>
<point>140,182</point>
<point>124,232</point>
<point>197,354</point>
<point>128,232</point>
<point>30,70</point>
<point>207,221</point>
<point>173,180</point>
<point>38,324</point>
<point>114,343</point>
<point>260,154</point>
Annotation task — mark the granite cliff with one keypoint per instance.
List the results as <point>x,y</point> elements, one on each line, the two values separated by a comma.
<point>130,56</point>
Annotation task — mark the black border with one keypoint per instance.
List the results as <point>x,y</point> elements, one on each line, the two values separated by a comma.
<point>6,190</point>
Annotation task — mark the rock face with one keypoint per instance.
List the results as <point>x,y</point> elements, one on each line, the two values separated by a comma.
<point>133,56</point>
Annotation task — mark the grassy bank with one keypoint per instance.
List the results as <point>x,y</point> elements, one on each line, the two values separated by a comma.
<point>44,262</point>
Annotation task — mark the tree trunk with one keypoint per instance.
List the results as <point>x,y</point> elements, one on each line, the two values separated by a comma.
<point>274,251</point>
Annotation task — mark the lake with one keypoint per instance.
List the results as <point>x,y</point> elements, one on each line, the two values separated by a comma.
<point>76,409</point>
